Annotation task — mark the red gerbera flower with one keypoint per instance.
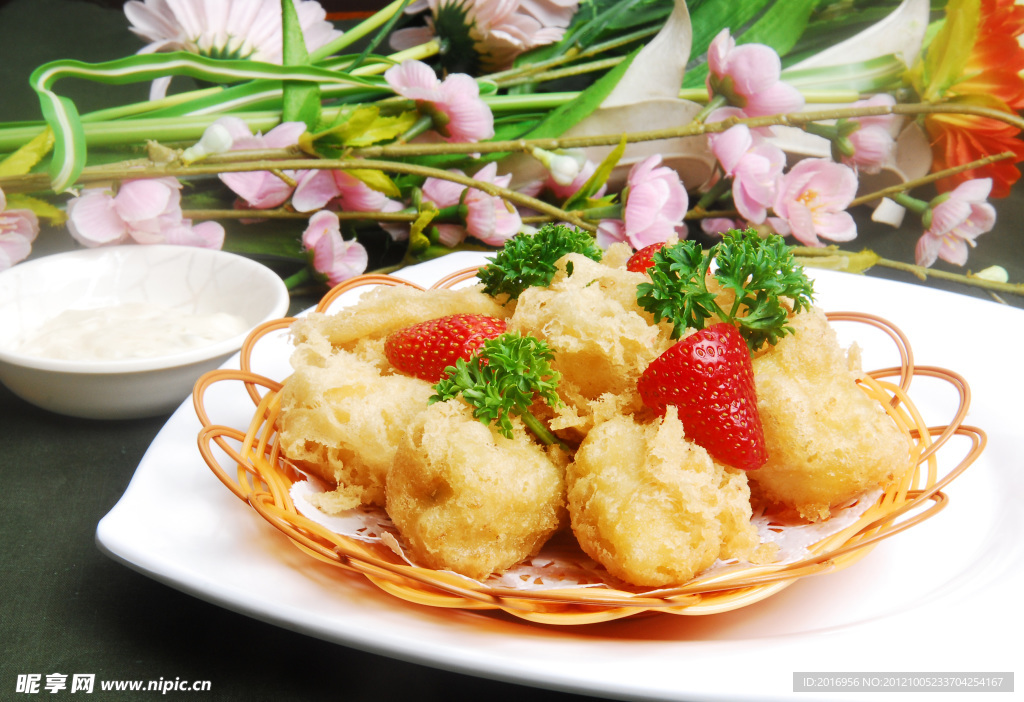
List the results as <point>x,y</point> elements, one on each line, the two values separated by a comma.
<point>975,60</point>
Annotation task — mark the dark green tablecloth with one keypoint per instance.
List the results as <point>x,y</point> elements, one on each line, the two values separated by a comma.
<point>66,608</point>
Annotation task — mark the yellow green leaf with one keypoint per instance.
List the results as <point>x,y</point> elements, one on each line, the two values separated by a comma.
<point>598,178</point>
<point>847,261</point>
<point>365,126</point>
<point>368,127</point>
<point>377,180</point>
<point>43,209</point>
<point>21,161</point>
<point>418,241</point>
<point>949,50</point>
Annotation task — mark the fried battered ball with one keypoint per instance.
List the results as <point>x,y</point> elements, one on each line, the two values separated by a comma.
<point>652,507</point>
<point>385,308</point>
<point>467,499</point>
<point>827,440</point>
<point>342,420</point>
<point>601,338</point>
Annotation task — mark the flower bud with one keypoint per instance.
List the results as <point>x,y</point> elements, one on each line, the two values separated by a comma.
<point>215,140</point>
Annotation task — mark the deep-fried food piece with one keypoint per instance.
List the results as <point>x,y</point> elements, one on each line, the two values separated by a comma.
<point>827,440</point>
<point>383,309</point>
<point>601,338</point>
<point>342,420</point>
<point>467,499</point>
<point>652,507</point>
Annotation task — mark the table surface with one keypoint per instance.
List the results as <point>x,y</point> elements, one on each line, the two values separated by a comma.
<point>68,608</point>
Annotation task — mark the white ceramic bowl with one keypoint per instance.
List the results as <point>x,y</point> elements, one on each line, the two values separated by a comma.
<point>196,281</point>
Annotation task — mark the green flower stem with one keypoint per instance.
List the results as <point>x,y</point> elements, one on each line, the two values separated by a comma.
<point>303,276</point>
<point>826,131</point>
<point>606,212</point>
<point>572,54</point>
<point>141,130</point>
<point>545,435</point>
<point>137,108</point>
<point>567,72</point>
<point>361,30</point>
<point>918,207</point>
<point>834,258</point>
<point>713,104</point>
<point>716,191</point>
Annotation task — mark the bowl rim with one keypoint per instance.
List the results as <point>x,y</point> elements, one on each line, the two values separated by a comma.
<point>262,275</point>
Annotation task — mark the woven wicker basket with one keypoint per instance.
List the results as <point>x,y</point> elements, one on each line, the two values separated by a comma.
<point>248,461</point>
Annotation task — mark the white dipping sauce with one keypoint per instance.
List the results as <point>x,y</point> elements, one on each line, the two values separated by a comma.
<point>131,330</point>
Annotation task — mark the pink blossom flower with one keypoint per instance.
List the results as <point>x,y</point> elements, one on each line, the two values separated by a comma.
<point>458,113</point>
<point>813,198</point>
<point>499,30</point>
<point>954,220</point>
<point>242,29</point>
<point>655,203</point>
<point>333,256</point>
<point>144,211</point>
<point>259,189</point>
<point>748,77</point>
<point>563,192</point>
<point>755,167</point>
<point>321,188</point>
<point>18,229</point>
<point>205,235</point>
<point>317,188</point>
<point>873,141</point>
<point>488,218</point>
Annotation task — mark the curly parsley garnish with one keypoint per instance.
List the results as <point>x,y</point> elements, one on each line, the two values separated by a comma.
<point>502,380</point>
<point>760,272</point>
<point>528,260</point>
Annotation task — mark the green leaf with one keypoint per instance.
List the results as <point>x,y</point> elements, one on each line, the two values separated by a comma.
<point>574,111</point>
<point>781,26</point>
<point>300,101</point>
<point>760,272</point>
<point>600,176</point>
<point>503,380</point>
<point>947,54</point>
<point>528,260</point>
<point>69,153</point>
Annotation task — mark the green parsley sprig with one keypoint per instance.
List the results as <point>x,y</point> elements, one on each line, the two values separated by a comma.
<point>502,380</point>
<point>528,260</point>
<point>760,271</point>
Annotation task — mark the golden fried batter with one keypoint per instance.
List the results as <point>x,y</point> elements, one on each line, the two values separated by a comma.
<point>343,420</point>
<point>827,440</point>
<point>601,338</point>
<point>384,309</point>
<point>652,507</point>
<point>467,499</point>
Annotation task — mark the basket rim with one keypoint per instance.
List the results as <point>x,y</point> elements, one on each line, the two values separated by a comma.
<point>258,465</point>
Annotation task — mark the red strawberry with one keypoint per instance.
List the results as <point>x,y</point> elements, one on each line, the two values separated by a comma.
<point>708,376</point>
<point>425,349</point>
<point>641,260</point>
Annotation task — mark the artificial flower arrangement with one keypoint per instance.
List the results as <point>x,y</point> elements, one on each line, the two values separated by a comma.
<point>438,125</point>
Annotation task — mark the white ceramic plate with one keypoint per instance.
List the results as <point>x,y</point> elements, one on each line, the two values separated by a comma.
<point>942,597</point>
